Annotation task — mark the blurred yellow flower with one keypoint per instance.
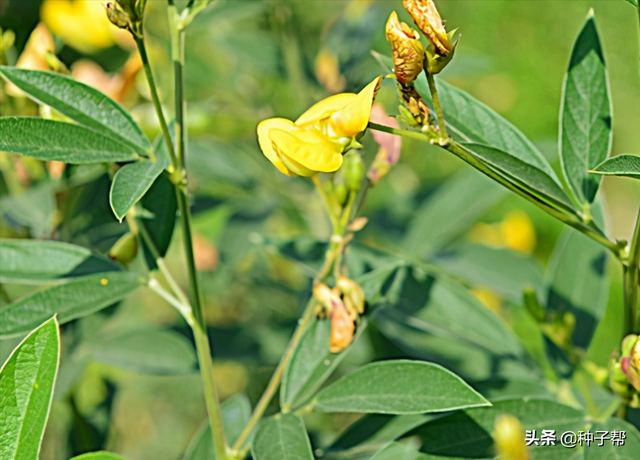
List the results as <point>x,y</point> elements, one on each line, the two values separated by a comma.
<point>34,55</point>
<point>82,24</point>
<point>425,14</point>
<point>316,141</point>
<point>516,232</point>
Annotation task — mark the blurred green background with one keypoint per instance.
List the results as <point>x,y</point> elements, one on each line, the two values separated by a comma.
<point>258,230</point>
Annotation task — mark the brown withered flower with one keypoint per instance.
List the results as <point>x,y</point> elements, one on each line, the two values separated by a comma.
<point>408,52</point>
<point>427,18</point>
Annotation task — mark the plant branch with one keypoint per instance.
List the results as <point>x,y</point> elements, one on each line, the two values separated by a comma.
<point>464,155</point>
<point>198,325</point>
<point>142,49</point>
<point>436,104</point>
<point>631,280</point>
<point>274,382</point>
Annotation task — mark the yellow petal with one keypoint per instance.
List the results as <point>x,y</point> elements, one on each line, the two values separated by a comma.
<point>311,149</point>
<point>266,145</point>
<point>353,119</point>
<point>325,108</point>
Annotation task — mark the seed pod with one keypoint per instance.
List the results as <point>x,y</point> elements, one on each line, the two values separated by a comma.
<point>353,170</point>
<point>125,249</point>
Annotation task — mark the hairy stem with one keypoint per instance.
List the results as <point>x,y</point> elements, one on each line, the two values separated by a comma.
<point>436,104</point>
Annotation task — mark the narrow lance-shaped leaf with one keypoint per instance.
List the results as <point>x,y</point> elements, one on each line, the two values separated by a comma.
<point>585,114</point>
<point>73,299</point>
<point>622,165</point>
<point>398,387</point>
<point>81,103</point>
<point>100,455</point>
<point>56,140</point>
<point>39,261</point>
<point>281,437</point>
<point>27,380</point>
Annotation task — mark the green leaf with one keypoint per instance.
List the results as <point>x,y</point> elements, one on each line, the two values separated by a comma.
<point>100,455</point>
<point>39,261</point>
<point>27,380</point>
<point>437,319</point>
<point>398,387</point>
<point>578,283</point>
<point>526,176</point>
<point>281,437</point>
<point>236,412</point>
<point>467,434</point>
<point>622,165</point>
<point>133,180</point>
<point>311,364</point>
<point>509,272</point>
<point>585,114</point>
<point>130,184</point>
<point>161,202</point>
<point>627,451</point>
<point>70,300</point>
<point>81,103</point>
<point>56,140</point>
<point>633,2</point>
<point>447,212</point>
<point>397,451</point>
<point>471,121</point>
<point>373,431</point>
<point>149,351</point>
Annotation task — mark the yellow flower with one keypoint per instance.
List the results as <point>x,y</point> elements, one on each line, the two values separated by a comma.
<point>82,24</point>
<point>515,232</point>
<point>316,141</point>
<point>408,52</point>
<point>427,18</point>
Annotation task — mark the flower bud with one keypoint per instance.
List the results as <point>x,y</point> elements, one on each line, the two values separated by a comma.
<point>352,295</point>
<point>436,62</point>
<point>425,14</point>
<point>407,50</point>
<point>125,249</point>
<point>118,17</point>
<point>353,170</point>
<point>509,439</point>
<point>342,329</point>
<point>418,112</point>
<point>632,365</point>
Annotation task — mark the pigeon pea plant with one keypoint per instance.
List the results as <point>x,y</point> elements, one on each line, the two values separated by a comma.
<point>414,305</point>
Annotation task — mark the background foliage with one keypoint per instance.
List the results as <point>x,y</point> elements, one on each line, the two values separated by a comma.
<point>450,251</point>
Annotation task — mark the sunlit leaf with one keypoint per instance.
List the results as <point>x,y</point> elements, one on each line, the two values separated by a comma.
<point>281,437</point>
<point>27,380</point>
<point>621,165</point>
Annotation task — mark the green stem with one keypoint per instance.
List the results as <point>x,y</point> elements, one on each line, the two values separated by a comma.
<point>198,325</point>
<point>142,49</point>
<point>631,268</point>
<point>464,155</point>
<point>436,104</point>
<point>272,386</point>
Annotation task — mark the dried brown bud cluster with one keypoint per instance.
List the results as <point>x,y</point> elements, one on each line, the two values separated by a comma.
<point>408,52</point>
<point>427,18</point>
<point>416,106</point>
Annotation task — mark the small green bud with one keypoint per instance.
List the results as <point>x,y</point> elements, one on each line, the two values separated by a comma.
<point>627,344</point>
<point>341,193</point>
<point>353,170</point>
<point>125,249</point>
<point>118,17</point>
<point>435,62</point>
